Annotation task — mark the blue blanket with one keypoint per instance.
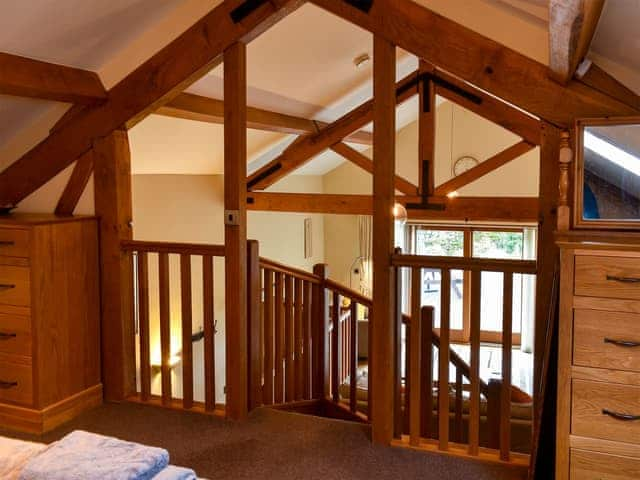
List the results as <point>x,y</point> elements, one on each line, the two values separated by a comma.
<point>175,473</point>
<point>87,456</point>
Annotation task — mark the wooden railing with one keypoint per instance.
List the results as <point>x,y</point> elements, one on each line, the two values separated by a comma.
<point>285,333</point>
<point>414,416</point>
<point>162,253</point>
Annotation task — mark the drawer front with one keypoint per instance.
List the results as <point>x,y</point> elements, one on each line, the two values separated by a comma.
<point>600,466</point>
<point>14,243</point>
<point>606,340</point>
<point>611,277</point>
<point>605,410</point>
<point>14,286</point>
<point>15,334</point>
<point>16,382</point>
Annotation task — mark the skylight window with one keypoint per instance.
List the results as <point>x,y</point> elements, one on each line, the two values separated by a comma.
<point>612,153</point>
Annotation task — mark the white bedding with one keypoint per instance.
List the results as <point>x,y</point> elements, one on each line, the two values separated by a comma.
<point>14,455</point>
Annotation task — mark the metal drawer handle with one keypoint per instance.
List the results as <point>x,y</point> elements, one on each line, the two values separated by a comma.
<point>6,287</point>
<point>622,343</point>
<point>615,278</point>
<point>7,385</point>
<point>7,243</point>
<point>621,416</point>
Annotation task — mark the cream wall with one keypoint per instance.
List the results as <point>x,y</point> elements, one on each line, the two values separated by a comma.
<point>459,132</point>
<point>190,208</point>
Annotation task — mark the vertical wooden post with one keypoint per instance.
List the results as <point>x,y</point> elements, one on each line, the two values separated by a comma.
<point>186,305</point>
<point>415,352</point>
<point>254,294</point>
<point>564,184</point>
<point>320,333</point>
<point>383,327</point>
<point>235,231</point>
<point>547,254</point>
<point>426,132</point>
<point>112,165</point>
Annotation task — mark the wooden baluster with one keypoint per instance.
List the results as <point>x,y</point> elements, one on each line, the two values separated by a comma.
<point>165,327</point>
<point>209,334</point>
<point>346,330</point>
<point>353,358</point>
<point>267,389</point>
<point>474,397</point>
<point>298,367</point>
<point>320,335</point>
<point>414,347</point>
<point>187,350</point>
<point>443,361</point>
<point>289,373</point>
<point>306,335</point>
<point>458,407</point>
<point>426,367</point>
<point>336,341</point>
<point>505,397</point>
<point>407,379</point>
<point>397,357</point>
<point>254,325</point>
<point>279,310</point>
<point>143,321</point>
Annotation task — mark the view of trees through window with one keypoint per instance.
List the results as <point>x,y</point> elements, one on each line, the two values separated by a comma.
<point>506,243</point>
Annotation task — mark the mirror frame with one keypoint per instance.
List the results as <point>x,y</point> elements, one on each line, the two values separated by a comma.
<point>578,176</point>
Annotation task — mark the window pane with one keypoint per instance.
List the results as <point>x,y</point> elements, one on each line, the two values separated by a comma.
<point>440,243</point>
<point>431,282</point>
<point>492,299</point>
<point>498,245</point>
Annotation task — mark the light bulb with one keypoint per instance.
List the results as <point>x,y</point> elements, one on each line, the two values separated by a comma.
<point>400,213</point>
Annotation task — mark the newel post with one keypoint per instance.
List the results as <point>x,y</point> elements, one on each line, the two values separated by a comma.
<point>320,334</point>
<point>254,330</point>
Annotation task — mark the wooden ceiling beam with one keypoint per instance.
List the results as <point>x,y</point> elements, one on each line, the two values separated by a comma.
<point>364,162</point>
<point>483,168</point>
<point>485,63</point>
<point>302,151</point>
<point>203,109</point>
<point>572,24</point>
<point>155,82</point>
<point>76,185</point>
<point>25,77</point>
<point>487,106</point>
<point>499,209</point>
<point>600,80</point>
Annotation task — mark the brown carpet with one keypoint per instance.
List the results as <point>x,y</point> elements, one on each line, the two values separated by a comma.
<point>271,445</point>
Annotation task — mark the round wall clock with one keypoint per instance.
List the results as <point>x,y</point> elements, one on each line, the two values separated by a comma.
<point>463,164</point>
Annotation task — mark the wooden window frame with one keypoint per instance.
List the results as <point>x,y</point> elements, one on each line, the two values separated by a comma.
<point>463,335</point>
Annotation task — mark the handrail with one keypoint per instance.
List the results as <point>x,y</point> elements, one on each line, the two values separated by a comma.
<point>173,247</point>
<point>454,358</point>
<point>282,268</point>
<point>468,264</point>
<point>349,293</point>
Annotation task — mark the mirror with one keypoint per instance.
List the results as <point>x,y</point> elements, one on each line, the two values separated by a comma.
<point>608,165</point>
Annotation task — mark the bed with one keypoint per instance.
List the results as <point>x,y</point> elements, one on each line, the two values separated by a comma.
<point>86,456</point>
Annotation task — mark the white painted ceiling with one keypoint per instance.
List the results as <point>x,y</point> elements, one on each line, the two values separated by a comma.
<point>302,66</point>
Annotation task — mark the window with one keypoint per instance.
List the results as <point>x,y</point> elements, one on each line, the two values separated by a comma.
<point>477,242</point>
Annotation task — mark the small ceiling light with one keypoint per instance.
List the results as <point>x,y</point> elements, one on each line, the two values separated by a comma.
<point>453,194</point>
<point>362,60</point>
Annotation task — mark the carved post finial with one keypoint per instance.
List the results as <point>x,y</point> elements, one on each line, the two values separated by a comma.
<point>564,160</point>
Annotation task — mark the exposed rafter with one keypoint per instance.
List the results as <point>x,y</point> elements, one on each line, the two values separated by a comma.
<point>513,209</point>
<point>301,152</point>
<point>77,183</point>
<point>486,63</point>
<point>195,107</point>
<point>25,77</point>
<point>151,85</point>
<point>482,169</point>
<point>366,164</point>
<point>572,24</point>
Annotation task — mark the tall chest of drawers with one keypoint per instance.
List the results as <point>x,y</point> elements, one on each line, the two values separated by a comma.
<point>598,420</point>
<point>49,320</point>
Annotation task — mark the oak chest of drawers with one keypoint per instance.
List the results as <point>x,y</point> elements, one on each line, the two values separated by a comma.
<point>49,320</point>
<point>598,421</point>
